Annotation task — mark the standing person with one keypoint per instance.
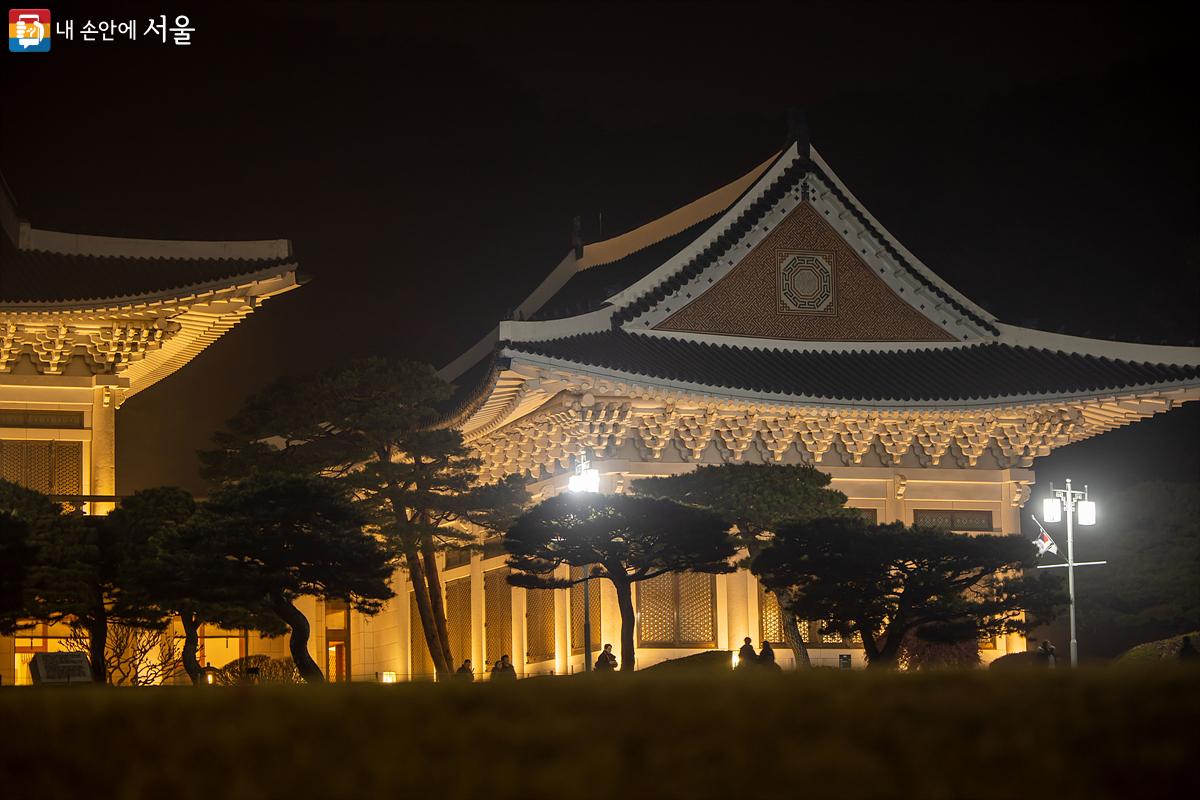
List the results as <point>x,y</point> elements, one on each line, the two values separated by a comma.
<point>747,658</point>
<point>606,661</point>
<point>766,657</point>
<point>465,672</point>
<point>503,669</point>
<point>1187,650</point>
<point>1045,653</point>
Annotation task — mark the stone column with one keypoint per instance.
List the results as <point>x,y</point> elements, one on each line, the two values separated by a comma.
<point>103,447</point>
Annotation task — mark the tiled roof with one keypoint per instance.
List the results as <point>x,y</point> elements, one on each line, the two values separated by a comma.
<point>749,219</point>
<point>34,276</point>
<point>588,289</point>
<point>956,373</point>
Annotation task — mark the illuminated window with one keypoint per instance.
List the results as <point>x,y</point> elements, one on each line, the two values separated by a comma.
<point>539,625</point>
<point>678,609</point>
<point>497,615</point>
<point>770,619</point>
<point>337,640</point>
<point>458,618</point>
<point>577,610</point>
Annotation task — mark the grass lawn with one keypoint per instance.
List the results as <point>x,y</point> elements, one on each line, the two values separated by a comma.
<point>1049,733</point>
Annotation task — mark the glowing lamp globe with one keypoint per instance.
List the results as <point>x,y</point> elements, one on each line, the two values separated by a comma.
<point>587,480</point>
<point>1052,509</point>
<point>1086,512</point>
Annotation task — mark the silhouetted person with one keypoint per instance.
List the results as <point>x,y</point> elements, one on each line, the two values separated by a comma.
<point>766,658</point>
<point>747,658</point>
<point>1045,654</point>
<point>504,670</point>
<point>1187,650</point>
<point>465,673</point>
<point>606,661</point>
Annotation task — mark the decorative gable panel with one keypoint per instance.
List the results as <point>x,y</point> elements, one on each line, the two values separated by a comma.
<point>804,282</point>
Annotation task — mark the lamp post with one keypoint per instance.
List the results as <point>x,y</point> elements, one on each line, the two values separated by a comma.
<point>585,479</point>
<point>1073,502</point>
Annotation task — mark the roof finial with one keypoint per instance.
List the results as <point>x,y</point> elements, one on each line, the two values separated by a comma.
<point>798,130</point>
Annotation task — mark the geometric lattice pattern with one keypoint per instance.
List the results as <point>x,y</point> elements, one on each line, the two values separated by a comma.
<point>497,619</point>
<point>770,618</point>
<point>422,663</point>
<point>678,610</point>
<point>593,586</point>
<point>956,520</point>
<point>805,281</point>
<point>697,609</point>
<point>45,466</point>
<point>458,618</point>
<point>656,611</point>
<point>539,625</point>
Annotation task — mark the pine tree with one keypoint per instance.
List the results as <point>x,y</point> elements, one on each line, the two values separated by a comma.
<point>755,500</point>
<point>282,537</point>
<point>372,425</point>
<point>621,538</point>
<point>883,581</point>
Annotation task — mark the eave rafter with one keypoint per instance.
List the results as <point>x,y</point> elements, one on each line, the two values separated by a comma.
<point>548,427</point>
<point>142,340</point>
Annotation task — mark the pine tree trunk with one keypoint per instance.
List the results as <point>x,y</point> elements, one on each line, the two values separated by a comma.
<point>298,641</point>
<point>791,635</point>
<point>436,604</point>
<point>191,645</point>
<point>421,594</point>
<point>888,656</point>
<point>97,629</point>
<point>625,604</point>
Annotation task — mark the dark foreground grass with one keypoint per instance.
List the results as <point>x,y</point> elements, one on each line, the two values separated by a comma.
<point>1045,734</point>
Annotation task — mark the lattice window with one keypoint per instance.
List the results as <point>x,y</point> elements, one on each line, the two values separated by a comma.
<point>956,520</point>
<point>422,663</point>
<point>497,620</point>
<point>48,467</point>
<point>677,610</point>
<point>869,515</point>
<point>656,611</point>
<point>539,625</point>
<point>458,618</point>
<point>577,610</point>
<point>770,619</point>
<point>697,609</point>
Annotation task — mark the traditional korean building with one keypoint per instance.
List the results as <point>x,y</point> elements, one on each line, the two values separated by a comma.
<point>87,322</point>
<point>774,320</point>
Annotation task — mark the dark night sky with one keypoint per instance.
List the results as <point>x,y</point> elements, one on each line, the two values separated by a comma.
<point>426,162</point>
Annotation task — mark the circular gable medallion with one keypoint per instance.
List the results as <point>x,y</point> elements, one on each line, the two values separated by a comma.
<point>805,281</point>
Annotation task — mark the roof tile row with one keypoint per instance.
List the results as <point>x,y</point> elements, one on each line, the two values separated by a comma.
<point>957,373</point>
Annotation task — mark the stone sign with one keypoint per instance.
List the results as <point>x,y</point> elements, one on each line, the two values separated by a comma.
<point>53,668</point>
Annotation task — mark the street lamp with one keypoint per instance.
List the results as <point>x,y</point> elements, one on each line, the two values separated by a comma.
<point>585,479</point>
<point>1073,502</point>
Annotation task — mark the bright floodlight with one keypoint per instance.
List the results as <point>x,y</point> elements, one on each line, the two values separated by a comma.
<point>587,480</point>
<point>1051,509</point>
<point>1087,512</point>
